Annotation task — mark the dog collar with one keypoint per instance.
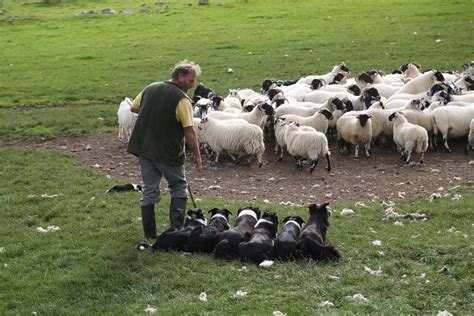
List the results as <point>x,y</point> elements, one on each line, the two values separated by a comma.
<point>262,220</point>
<point>199,220</point>
<point>295,223</point>
<point>248,212</point>
<point>219,215</point>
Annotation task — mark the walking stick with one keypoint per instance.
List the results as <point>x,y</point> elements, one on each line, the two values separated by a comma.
<point>191,195</point>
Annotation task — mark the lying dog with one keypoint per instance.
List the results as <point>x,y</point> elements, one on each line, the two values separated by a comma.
<point>312,242</point>
<point>287,239</point>
<point>178,239</point>
<point>125,187</point>
<point>228,241</point>
<point>260,246</point>
<point>204,239</point>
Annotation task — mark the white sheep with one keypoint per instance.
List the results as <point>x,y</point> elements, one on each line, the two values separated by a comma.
<point>280,126</point>
<point>221,104</point>
<point>425,120</point>
<point>319,121</point>
<point>355,130</point>
<point>408,137</point>
<point>235,138</point>
<point>202,107</point>
<point>126,118</point>
<point>256,116</point>
<point>453,121</point>
<point>421,83</point>
<point>306,144</point>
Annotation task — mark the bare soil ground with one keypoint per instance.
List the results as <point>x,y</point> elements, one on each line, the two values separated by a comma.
<point>382,176</point>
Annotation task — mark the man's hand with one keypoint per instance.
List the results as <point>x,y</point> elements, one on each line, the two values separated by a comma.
<point>191,139</point>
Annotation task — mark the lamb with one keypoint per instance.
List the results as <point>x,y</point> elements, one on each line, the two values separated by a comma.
<point>126,118</point>
<point>422,83</point>
<point>319,121</point>
<point>306,144</point>
<point>470,138</point>
<point>453,121</point>
<point>408,137</point>
<point>280,126</point>
<point>425,120</point>
<point>256,116</point>
<point>356,130</point>
<point>234,138</point>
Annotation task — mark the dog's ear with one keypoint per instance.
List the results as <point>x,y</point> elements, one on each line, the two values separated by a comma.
<point>226,212</point>
<point>189,212</point>
<point>299,220</point>
<point>257,211</point>
<point>312,208</point>
<point>275,219</point>
<point>213,211</point>
<point>286,219</point>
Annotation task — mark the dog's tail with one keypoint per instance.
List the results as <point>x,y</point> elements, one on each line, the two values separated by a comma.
<point>309,248</point>
<point>223,250</point>
<point>284,251</point>
<point>256,252</point>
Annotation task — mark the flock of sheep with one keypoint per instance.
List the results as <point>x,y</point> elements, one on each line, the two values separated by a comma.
<point>410,107</point>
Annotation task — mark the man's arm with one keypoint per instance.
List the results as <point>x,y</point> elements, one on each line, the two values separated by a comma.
<point>191,139</point>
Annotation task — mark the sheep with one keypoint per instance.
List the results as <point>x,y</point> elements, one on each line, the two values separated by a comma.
<point>470,138</point>
<point>280,126</point>
<point>319,120</point>
<point>126,118</point>
<point>236,138</point>
<point>356,130</point>
<point>425,120</point>
<point>256,116</point>
<point>422,83</point>
<point>453,121</point>
<point>202,107</point>
<point>408,137</point>
<point>303,143</point>
<point>318,96</point>
<point>221,104</point>
<point>329,77</point>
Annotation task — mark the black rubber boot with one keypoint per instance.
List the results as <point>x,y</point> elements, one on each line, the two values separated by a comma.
<point>177,210</point>
<point>148,221</point>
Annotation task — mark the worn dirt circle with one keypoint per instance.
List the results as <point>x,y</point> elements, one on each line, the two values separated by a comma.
<point>382,176</point>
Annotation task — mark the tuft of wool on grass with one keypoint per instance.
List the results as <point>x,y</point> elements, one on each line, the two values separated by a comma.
<point>357,298</point>
<point>203,297</point>
<point>150,310</point>
<point>240,294</point>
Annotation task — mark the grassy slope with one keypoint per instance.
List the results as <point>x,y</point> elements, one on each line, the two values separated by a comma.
<point>90,265</point>
<point>57,57</point>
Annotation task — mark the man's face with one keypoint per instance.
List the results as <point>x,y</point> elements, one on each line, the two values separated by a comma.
<point>187,82</point>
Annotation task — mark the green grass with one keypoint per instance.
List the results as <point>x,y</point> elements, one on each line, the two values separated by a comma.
<point>51,55</point>
<point>90,266</point>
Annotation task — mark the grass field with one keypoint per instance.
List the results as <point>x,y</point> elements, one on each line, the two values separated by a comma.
<point>52,56</point>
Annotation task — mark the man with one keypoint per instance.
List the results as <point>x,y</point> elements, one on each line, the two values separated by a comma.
<point>164,118</point>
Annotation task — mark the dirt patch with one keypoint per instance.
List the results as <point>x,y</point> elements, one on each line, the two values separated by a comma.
<point>382,176</point>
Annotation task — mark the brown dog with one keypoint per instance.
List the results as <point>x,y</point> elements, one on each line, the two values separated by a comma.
<point>312,242</point>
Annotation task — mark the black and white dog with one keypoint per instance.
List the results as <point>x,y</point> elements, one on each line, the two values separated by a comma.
<point>312,242</point>
<point>125,187</point>
<point>260,246</point>
<point>228,241</point>
<point>204,239</point>
<point>179,239</point>
<point>287,239</point>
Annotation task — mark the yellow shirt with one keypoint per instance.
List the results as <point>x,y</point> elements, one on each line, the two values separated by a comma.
<point>184,110</point>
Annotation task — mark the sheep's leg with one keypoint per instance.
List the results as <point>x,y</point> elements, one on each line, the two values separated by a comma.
<point>299,163</point>
<point>340,144</point>
<point>259,159</point>
<point>356,154</point>
<point>328,163</point>
<point>445,141</point>
<point>217,158</point>
<point>367,150</point>
<point>281,155</point>
<point>313,165</point>
<point>422,159</point>
<point>431,141</point>
<point>233,158</point>
<point>408,156</point>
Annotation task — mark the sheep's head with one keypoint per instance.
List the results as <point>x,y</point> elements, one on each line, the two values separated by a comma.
<point>364,78</point>
<point>394,115</point>
<point>347,105</point>
<point>267,108</point>
<point>354,89</point>
<point>317,83</point>
<point>338,78</point>
<point>439,76</point>
<point>203,121</point>
<point>338,104</point>
<point>267,84</point>
<point>216,101</point>
<point>363,119</point>
<point>344,69</point>
<point>326,113</point>
<point>370,95</point>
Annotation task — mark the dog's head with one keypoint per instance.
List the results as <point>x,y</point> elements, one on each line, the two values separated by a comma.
<point>218,214</point>
<point>271,217</point>
<point>195,217</point>
<point>319,214</point>
<point>297,219</point>
<point>249,210</point>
